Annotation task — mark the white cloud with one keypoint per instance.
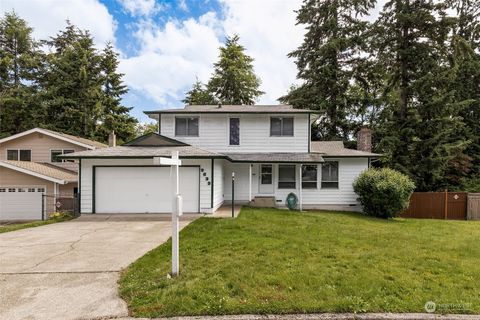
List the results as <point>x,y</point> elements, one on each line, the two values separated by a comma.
<point>170,57</point>
<point>140,7</point>
<point>47,17</point>
<point>183,5</point>
<point>267,30</point>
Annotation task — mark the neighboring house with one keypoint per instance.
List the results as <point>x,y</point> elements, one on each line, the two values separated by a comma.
<point>30,167</point>
<point>267,147</point>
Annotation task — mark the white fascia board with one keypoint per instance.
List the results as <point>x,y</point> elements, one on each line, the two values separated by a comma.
<point>24,133</point>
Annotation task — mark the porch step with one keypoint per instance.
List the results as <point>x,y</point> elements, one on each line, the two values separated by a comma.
<point>263,202</point>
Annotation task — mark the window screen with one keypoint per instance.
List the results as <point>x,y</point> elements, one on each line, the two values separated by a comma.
<point>25,155</point>
<point>330,174</point>
<point>234,131</point>
<point>280,127</point>
<point>186,127</point>
<point>286,177</point>
<point>309,177</point>
<point>12,155</point>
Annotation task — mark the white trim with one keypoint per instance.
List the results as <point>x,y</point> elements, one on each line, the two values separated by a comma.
<point>32,173</point>
<point>18,154</point>
<point>53,135</point>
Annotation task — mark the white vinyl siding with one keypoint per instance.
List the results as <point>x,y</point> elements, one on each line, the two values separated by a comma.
<point>254,133</point>
<point>349,169</point>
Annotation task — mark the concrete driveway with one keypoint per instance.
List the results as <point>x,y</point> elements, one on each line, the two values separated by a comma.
<point>70,270</point>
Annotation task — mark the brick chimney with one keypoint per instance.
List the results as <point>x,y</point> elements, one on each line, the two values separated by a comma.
<point>112,139</point>
<point>364,139</point>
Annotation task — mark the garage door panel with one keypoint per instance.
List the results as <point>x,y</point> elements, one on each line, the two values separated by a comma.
<point>20,206</point>
<point>143,189</point>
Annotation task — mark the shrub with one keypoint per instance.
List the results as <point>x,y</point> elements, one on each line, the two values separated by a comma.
<point>383,193</point>
<point>60,216</point>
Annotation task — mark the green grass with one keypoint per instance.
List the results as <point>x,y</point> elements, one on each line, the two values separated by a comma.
<point>274,261</point>
<point>19,226</point>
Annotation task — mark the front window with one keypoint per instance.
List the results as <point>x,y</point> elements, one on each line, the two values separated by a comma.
<point>234,131</point>
<point>186,127</point>
<point>22,155</point>
<point>330,175</point>
<point>309,177</point>
<point>286,177</point>
<point>281,127</point>
<point>25,155</point>
<point>12,155</point>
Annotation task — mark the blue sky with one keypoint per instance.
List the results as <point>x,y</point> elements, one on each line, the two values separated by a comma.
<point>165,45</point>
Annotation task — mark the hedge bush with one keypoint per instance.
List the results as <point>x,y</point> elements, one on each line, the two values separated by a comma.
<point>383,193</point>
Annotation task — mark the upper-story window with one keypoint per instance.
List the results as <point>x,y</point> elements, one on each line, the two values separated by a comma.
<point>281,127</point>
<point>55,153</point>
<point>186,127</point>
<point>22,155</point>
<point>234,131</point>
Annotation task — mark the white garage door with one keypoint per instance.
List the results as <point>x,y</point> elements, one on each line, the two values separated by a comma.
<point>143,189</point>
<point>21,203</point>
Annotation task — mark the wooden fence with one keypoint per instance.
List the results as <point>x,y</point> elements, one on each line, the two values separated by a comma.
<point>438,205</point>
<point>473,206</point>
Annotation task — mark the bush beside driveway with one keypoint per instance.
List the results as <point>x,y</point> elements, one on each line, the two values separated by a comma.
<point>275,261</point>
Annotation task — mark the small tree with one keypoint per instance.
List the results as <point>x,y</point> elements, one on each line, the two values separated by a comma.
<point>383,193</point>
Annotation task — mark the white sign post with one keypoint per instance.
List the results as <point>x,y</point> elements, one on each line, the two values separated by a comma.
<point>177,210</point>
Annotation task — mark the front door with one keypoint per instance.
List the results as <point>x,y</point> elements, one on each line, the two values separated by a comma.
<point>266,179</point>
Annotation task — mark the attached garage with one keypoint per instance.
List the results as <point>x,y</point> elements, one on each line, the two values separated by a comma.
<point>21,203</point>
<point>143,189</point>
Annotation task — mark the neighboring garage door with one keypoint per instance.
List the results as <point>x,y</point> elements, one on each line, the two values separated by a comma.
<point>21,203</point>
<point>143,189</point>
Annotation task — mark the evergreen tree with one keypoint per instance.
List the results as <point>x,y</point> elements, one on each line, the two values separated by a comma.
<point>73,83</point>
<point>199,95</point>
<point>233,80</point>
<point>419,132</point>
<point>465,62</point>
<point>114,116</point>
<point>19,65</point>
<point>327,60</point>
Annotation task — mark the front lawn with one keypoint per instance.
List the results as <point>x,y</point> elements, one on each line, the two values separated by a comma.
<point>23,225</point>
<point>274,261</point>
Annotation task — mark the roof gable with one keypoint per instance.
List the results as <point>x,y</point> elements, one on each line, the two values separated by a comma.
<point>41,170</point>
<point>86,143</point>
<point>154,140</point>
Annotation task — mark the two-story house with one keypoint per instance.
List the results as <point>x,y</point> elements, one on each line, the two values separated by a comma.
<point>267,148</point>
<point>32,175</point>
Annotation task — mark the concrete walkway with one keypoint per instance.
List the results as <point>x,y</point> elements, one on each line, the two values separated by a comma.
<point>225,211</point>
<point>70,270</point>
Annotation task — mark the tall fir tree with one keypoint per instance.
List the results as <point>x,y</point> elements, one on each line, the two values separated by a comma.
<point>114,116</point>
<point>327,60</point>
<point>19,66</point>
<point>420,119</point>
<point>199,95</point>
<point>73,83</point>
<point>234,80</point>
<point>465,62</point>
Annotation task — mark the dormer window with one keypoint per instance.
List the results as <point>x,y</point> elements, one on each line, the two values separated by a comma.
<point>186,126</point>
<point>281,127</point>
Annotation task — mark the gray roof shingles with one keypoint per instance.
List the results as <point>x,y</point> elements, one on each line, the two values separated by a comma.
<point>337,149</point>
<point>234,109</point>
